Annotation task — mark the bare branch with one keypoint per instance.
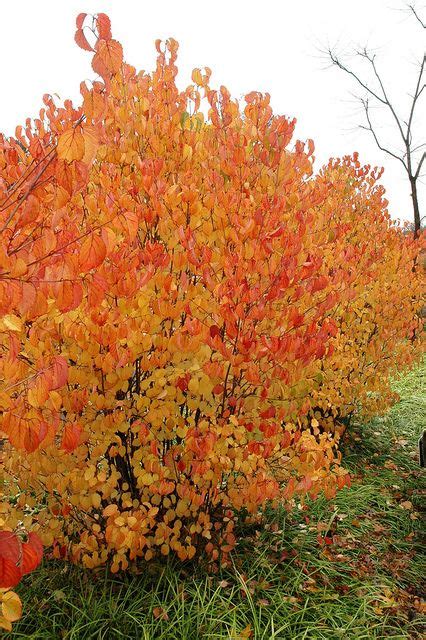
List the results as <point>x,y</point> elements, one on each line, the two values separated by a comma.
<point>414,149</point>
<point>338,62</point>
<point>416,96</point>
<point>388,102</point>
<point>371,129</point>
<point>416,15</point>
<point>419,166</point>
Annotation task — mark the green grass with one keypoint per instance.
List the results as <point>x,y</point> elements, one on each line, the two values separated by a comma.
<point>283,584</point>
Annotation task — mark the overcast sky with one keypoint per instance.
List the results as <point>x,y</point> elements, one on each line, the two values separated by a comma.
<point>264,45</point>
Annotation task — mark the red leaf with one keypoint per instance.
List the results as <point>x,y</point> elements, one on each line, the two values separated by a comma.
<point>32,553</point>
<point>214,331</point>
<point>10,557</point>
<point>10,574</point>
<point>10,546</point>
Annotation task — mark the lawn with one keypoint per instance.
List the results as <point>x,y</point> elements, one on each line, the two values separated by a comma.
<point>352,567</point>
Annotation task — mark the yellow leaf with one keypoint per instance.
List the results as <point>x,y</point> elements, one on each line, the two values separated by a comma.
<point>193,385</point>
<point>187,152</point>
<point>196,77</point>
<point>96,500</point>
<point>5,624</point>
<point>12,322</point>
<point>11,606</point>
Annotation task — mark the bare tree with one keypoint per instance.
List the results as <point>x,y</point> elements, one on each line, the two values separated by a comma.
<point>375,93</point>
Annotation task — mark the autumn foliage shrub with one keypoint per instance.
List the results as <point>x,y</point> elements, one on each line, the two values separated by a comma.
<point>381,283</point>
<point>186,313</point>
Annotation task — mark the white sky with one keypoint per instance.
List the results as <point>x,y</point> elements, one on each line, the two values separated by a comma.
<point>264,45</point>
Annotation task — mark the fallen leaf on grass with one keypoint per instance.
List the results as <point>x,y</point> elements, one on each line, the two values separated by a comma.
<point>263,602</point>
<point>391,465</point>
<point>159,612</point>
<point>291,599</point>
<point>245,633</point>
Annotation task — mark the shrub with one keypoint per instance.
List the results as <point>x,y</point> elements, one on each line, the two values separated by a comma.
<point>180,299</point>
<point>377,317</point>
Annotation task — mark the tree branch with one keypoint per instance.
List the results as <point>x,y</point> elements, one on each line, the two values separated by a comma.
<point>371,129</point>
<point>416,15</point>
<point>386,100</point>
<point>335,60</point>
<point>416,96</point>
<point>416,175</point>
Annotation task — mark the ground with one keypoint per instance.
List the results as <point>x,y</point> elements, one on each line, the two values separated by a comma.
<point>349,568</point>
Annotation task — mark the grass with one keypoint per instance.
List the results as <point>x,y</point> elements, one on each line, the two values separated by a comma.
<point>285,583</point>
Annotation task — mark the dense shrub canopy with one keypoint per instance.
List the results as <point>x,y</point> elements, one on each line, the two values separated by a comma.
<point>187,313</point>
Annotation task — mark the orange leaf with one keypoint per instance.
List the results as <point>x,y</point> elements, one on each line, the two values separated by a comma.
<point>104,26</point>
<point>128,223</point>
<point>5,624</point>
<point>91,144</point>
<point>71,437</point>
<point>33,435</point>
<point>108,58</point>
<point>82,41</point>
<point>38,392</point>
<point>29,297</point>
<point>94,104</point>
<point>71,145</point>
<point>29,213</point>
<point>109,510</point>
<point>68,295</point>
<point>79,21</point>
<point>93,252</point>
<point>10,574</point>
<point>59,369</point>
<point>159,612</point>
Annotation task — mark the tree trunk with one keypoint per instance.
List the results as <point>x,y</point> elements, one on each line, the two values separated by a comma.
<point>416,209</point>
